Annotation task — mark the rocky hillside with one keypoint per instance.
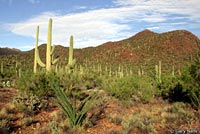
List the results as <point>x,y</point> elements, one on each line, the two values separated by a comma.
<point>9,51</point>
<point>143,50</point>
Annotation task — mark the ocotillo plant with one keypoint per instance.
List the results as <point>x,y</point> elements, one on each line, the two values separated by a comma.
<point>49,51</point>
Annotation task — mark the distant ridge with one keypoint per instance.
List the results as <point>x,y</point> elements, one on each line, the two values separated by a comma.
<point>9,51</point>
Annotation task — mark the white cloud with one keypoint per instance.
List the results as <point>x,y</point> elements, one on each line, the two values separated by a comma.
<point>184,7</point>
<point>94,27</point>
<point>89,28</point>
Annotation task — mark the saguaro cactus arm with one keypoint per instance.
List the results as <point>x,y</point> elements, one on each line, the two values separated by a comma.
<point>55,61</point>
<point>37,56</point>
<point>53,49</point>
<point>39,61</point>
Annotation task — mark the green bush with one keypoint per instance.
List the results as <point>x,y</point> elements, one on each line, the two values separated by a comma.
<point>185,88</point>
<point>38,84</point>
<point>73,84</point>
<point>195,71</point>
<point>129,87</point>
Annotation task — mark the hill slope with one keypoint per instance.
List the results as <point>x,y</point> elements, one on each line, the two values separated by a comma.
<point>9,51</point>
<point>143,50</point>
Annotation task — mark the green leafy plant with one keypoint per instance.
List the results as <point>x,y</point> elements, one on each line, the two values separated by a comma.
<point>130,87</point>
<point>75,113</point>
<point>184,88</point>
<point>38,84</point>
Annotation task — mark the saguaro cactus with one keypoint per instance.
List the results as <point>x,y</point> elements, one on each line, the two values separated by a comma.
<point>158,72</point>
<point>49,51</point>
<point>71,61</point>
<point>36,51</point>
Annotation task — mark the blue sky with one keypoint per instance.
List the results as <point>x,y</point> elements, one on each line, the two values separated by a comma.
<point>92,22</point>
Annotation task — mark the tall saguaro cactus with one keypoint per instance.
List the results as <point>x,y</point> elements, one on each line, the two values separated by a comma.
<point>71,61</point>
<point>36,51</point>
<point>158,72</point>
<point>49,51</point>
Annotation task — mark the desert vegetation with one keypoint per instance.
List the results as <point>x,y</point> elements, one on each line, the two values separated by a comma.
<point>117,88</point>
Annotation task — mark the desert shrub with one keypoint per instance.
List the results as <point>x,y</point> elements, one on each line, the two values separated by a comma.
<point>129,87</point>
<point>172,89</point>
<point>29,103</point>
<point>138,121</point>
<point>7,74</point>
<point>38,84</point>
<point>91,80</point>
<point>191,83</point>
<point>175,90</point>
<point>186,87</point>
<point>179,114</point>
<point>75,83</point>
<point>54,127</point>
<point>68,82</point>
<point>4,126</point>
<point>195,71</point>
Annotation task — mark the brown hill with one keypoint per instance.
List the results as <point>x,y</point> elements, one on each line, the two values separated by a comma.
<point>9,51</point>
<point>143,50</point>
